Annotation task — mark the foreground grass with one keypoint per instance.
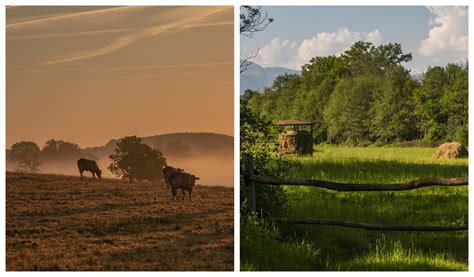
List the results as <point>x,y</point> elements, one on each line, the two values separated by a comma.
<point>392,256</point>
<point>261,242</point>
<point>354,249</point>
<point>56,222</point>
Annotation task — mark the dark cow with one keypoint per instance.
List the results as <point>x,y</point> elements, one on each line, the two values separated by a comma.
<point>89,165</point>
<point>168,171</point>
<point>183,181</point>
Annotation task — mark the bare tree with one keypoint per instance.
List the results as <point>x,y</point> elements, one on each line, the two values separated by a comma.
<point>245,62</point>
<point>252,20</point>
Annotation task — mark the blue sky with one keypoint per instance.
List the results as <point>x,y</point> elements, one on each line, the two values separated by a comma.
<point>434,35</point>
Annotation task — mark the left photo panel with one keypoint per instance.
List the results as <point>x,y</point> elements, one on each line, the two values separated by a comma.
<point>119,138</point>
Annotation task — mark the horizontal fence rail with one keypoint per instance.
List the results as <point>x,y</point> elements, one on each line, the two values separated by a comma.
<point>373,227</point>
<point>250,179</point>
<point>415,184</point>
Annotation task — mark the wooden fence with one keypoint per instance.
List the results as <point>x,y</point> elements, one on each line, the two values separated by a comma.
<point>250,180</point>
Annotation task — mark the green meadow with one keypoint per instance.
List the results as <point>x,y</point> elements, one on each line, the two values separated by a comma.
<point>266,246</point>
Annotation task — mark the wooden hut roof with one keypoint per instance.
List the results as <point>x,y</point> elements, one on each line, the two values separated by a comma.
<point>295,122</point>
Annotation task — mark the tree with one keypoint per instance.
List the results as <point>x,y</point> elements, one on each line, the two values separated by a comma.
<point>59,149</point>
<point>349,113</point>
<point>454,102</point>
<point>257,138</point>
<point>394,109</point>
<point>26,154</point>
<point>363,58</point>
<point>252,20</point>
<point>134,160</point>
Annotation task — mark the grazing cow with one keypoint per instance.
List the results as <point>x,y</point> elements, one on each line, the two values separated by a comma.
<point>183,181</point>
<point>89,165</point>
<point>168,171</point>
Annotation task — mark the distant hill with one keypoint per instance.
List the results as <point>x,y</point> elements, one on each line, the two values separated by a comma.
<point>178,145</point>
<point>257,77</point>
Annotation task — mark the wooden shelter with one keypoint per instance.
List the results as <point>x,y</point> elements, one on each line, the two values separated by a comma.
<point>298,140</point>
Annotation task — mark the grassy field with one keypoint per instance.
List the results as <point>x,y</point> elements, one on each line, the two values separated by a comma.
<point>339,248</point>
<point>57,222</point>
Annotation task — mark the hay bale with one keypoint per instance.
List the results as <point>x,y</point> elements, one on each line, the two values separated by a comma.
<point>451,150</point>
<point>292,142</point>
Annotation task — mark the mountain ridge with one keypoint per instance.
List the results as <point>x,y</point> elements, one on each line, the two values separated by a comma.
<point>257,77</point>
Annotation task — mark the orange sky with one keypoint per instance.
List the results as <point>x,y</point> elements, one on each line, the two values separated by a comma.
<point>89,74</point>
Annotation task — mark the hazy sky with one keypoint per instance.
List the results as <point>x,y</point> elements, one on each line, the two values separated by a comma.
<point>434,35</point>
<point>89,74</point>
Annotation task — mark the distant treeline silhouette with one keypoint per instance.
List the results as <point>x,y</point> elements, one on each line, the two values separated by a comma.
<point>29,157</point>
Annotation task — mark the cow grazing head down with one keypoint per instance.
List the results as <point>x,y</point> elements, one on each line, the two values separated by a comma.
<point>89,165</point>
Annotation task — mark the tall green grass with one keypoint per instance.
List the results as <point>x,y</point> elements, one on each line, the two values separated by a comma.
<point>393,256</point>
<point>262,248</point>
<point>354,249</point>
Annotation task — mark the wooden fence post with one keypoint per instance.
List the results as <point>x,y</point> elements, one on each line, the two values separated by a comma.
<point>247,170</point>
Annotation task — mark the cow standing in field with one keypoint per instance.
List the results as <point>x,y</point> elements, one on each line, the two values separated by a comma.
<point>183,181</point>
<point>89,165</point>
<point>168,171</point>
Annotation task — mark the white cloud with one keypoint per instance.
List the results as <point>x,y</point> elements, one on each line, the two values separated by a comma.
<point>277,53</point>
<point>293,55</point>
<point>448,37</point>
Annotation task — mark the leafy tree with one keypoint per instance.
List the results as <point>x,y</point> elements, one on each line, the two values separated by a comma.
<point>454,102</point>
<point>134,160</point>
<point>59,149</point>
<point>363,58</point>
<point>394,109</point>
<point>349,113</point>
<point>27,155</point>
<point>257,138</point>
<point>389,107</point>
<point>433,119</point>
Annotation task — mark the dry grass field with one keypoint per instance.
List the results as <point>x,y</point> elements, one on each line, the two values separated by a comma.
<point>57,222</point>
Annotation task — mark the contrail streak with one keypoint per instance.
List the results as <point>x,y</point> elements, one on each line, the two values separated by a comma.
<point>154,76</point>
<point>71,34</point>
<point>129,39</point>
<point>129,67</point>
<point>71,15</point>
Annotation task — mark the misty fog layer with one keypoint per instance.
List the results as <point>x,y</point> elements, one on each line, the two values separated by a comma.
<point>211,169</point>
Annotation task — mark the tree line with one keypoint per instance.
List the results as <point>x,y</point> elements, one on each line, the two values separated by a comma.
<point>366,95</point>
<point>132,159</point>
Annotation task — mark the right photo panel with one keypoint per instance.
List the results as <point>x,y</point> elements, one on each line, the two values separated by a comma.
<point>354,138</point>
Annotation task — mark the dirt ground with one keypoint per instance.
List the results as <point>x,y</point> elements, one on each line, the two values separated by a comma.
<point>57,222</point>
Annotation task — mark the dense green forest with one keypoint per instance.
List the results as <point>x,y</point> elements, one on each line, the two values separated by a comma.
<point>366,96</point>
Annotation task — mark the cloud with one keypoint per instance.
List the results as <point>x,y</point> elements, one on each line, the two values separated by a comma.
<point>186,16</point>
<point>449,35</point>
<point>278,52</point>
<point>293,55</point>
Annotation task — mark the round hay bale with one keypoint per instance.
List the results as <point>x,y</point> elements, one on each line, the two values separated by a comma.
<point>451,150</point>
